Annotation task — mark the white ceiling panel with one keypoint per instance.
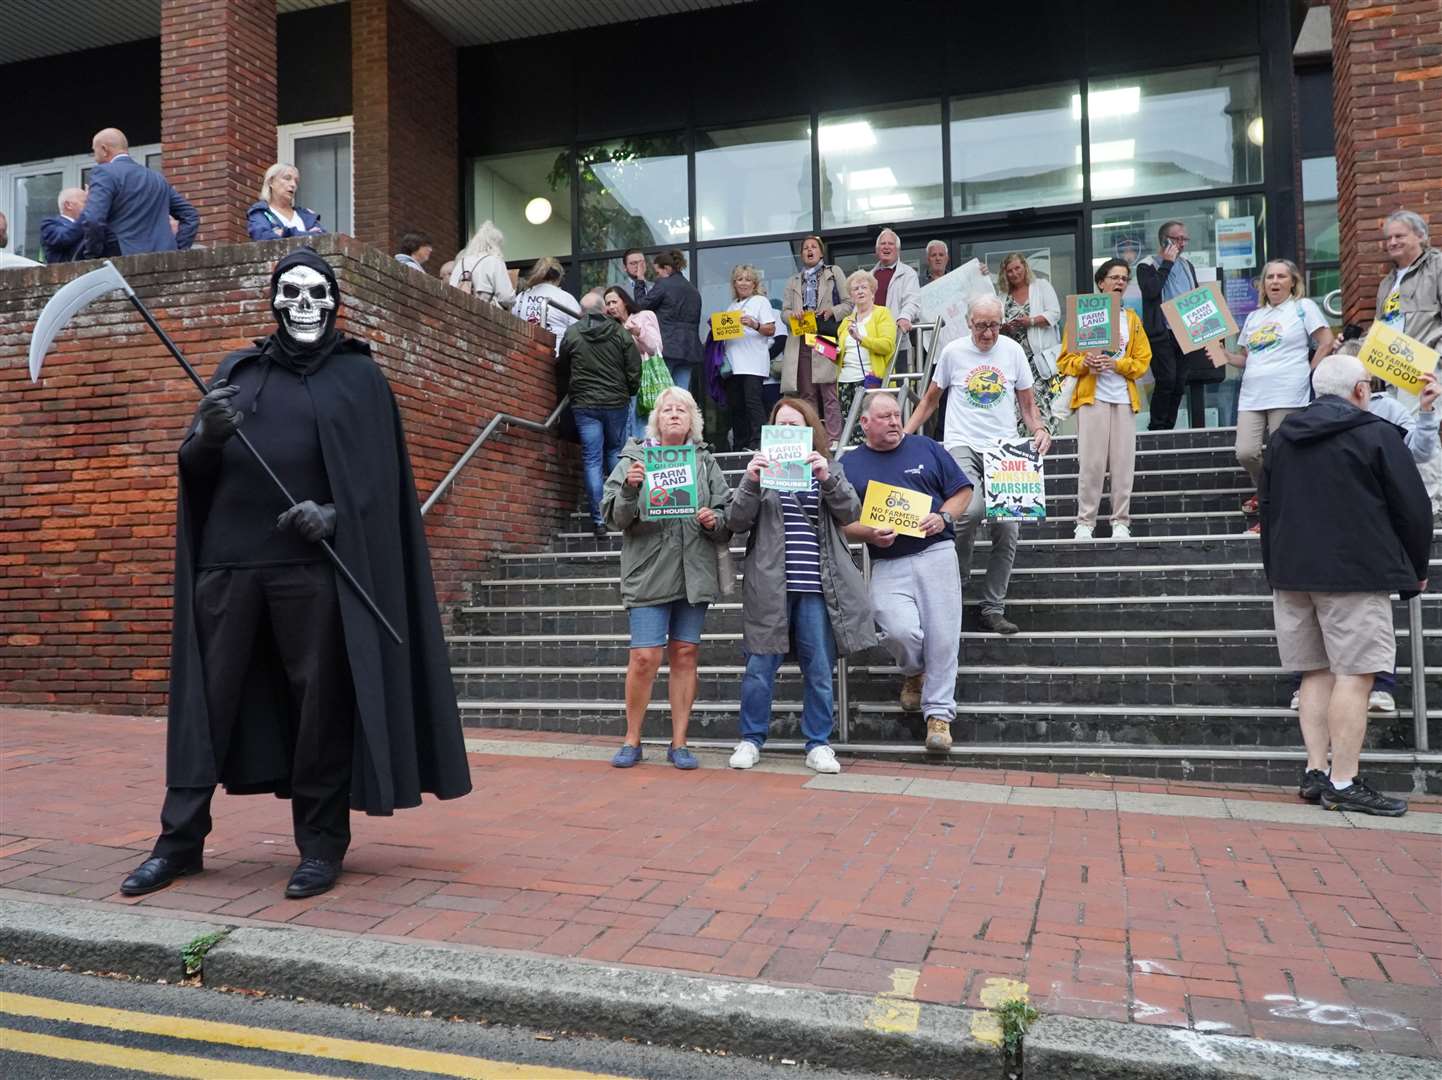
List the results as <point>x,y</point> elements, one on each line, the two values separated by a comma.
<point>30,29</point>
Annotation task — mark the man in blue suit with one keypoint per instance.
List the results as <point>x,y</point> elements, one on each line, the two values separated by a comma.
<point>133,202</point>
<point>59,241</point>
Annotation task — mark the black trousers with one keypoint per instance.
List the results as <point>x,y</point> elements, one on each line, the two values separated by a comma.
<point>748,410</point>
<point>298,607</point>
<point>1169,369</point>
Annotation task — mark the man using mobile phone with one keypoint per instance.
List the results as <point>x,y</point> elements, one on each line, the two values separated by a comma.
<point>1161,277</point>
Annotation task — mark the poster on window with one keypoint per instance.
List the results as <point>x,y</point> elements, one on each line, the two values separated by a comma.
<point>1015,484</point>
<point>1236,243</point>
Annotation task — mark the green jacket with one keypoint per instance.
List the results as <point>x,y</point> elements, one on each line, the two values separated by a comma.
<point>662,561</point>
<point>605,363</point>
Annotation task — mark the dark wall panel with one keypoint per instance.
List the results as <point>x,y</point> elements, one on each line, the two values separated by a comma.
<point>313,77</point>
<point>1314,113</point>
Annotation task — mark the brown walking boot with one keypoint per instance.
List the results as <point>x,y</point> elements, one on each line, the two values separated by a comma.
<point>911,691</point>
<point>938,734</point>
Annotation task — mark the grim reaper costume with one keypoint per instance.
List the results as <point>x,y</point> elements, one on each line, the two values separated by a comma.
<point>281,681</point>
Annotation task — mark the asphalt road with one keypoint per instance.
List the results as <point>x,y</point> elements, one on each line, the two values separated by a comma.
<point>56,1025</point>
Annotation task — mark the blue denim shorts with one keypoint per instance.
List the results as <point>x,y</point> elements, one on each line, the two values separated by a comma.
<point>652,627</point>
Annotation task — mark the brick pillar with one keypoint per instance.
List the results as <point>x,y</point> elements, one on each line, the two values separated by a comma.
<point>217,107</point>
<point>1387,107</point>
<point>404,99</point>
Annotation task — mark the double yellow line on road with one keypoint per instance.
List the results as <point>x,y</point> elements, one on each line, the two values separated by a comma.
<point>237,1035</point>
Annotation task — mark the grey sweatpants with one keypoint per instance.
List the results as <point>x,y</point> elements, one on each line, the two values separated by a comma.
<point>916,601</point>
<point>1004,535</point>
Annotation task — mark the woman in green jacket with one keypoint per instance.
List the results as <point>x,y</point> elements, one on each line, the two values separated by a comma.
<point>670,572</point>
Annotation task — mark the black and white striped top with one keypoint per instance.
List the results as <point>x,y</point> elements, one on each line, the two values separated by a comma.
<point>803,549</point>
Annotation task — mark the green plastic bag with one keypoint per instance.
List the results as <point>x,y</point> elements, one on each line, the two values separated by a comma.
<point>655,377</point>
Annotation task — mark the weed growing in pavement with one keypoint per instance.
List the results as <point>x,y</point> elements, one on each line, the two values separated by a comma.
<point>193,955</point>
<point>1016,1016</point>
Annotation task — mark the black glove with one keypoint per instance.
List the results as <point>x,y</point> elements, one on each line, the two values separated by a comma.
<point>219,419</point>
<point>312,520</point>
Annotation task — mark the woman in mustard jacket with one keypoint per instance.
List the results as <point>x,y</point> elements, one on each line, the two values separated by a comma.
<point>865,340</point>
<point>1105,401</point>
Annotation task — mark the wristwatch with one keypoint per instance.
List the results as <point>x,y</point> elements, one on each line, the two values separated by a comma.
<point>947,519</point>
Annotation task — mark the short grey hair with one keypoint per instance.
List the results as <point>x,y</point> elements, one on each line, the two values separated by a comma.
<point>1415,222</point>
<point>1338,374</point>
<point>873,398</point>
<point>937,243</point>
<point>593,301</point>
<point>68,195</point>
<point>993,302</point>
<point>891,233</point>
<point>653,431</point>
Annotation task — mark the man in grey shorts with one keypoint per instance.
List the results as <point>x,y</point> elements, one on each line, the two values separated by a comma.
<point>1333,560</point>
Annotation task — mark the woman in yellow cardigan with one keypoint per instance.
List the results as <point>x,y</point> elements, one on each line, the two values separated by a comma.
<point>866,340</point>
<point>1105,401</point>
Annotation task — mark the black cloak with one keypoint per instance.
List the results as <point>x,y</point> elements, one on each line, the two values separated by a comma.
<point>407,728</point>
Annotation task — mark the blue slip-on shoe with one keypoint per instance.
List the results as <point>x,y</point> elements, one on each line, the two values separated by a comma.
<point>627,756</point>
<point>682,758</point>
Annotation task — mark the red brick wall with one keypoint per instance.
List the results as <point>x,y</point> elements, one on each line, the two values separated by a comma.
<point>403,76</point>
<point>218,107</point>
<point>87,496</point>
<point>1387,106</point>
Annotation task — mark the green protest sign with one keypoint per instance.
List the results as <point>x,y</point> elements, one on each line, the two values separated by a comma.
<point>1093,321</point>
<point>787,448</point>
<point>670,487</point>
<point>1199,317</point>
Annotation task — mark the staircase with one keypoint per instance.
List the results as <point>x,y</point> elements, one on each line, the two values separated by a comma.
<point>1153,656</point>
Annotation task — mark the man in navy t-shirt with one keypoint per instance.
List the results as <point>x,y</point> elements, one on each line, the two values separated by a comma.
<point>915,584</point>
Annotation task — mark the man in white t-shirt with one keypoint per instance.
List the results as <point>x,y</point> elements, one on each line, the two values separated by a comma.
<point>989,380</point>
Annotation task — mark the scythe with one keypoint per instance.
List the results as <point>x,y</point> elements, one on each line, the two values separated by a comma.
<point>87,288</point>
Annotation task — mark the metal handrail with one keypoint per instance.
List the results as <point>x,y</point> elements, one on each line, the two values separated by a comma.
<point>1332,303</point>
<point>904,378</point>
<point>494,423</point>
<point>1419,675</point>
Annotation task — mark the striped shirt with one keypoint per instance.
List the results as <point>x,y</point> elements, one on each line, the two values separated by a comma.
<point>803,550</point>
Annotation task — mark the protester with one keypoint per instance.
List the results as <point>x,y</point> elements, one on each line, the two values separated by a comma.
<point>1272,351</point>
<point>990,383</point>
<point>133,203</point>
<point>1105,400</point>
<point>896,288</point>
<point>1333,552</point>
<point>1160,278</point>
<point>865,340</point>
<point>480,268</point>
<point>58,240</point>
<point>544,302</point>
<point>1409,300</point>
<point>677,305</point>
<point>446,268</point>
<point>670,573</point>
<point>938,258</point>
<point>749,357</point>
<point>1032,318</point>
<point>276,214</point>
<point>915,586</point>
<point>634,262</point>
<point>605,371</point>
<point>644,330</point>
<point>415,251</point>
<point>805,373</point>
<point>801,592</point>
<point>9,260</point>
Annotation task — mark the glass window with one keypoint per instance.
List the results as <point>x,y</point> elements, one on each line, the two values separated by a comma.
<point>776,261</point>
<point>1016,149</point>
<point>33,197</point>
<point>1319,208</point>
<point>634,193</point>
<point>1175,130</point>
<point>528,197</point>
<point>1321,283</point>
<point>753,180</point>
<point>598,273</point>
<point>881,166</point>
<point>325,181</point>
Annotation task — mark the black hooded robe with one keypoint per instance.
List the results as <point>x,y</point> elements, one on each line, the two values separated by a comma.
<point>408,736</point>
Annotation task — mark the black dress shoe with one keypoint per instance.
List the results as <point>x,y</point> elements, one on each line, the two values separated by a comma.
<point>311,878</point>
<point>156,873</point>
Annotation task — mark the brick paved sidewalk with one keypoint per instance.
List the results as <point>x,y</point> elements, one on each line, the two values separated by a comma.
<point>1305,932</point>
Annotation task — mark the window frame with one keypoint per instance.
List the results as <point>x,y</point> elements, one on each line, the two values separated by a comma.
<point>285,140</point>
<point>70,168</point>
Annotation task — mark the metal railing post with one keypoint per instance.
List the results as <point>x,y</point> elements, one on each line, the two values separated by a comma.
<point>491,426</point>
<point>1419,674</point>
<point>843,703</point>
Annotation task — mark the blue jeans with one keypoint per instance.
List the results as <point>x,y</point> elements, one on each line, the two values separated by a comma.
<point>603,433</point>
<point>680,374</point>
<point>816,648</point>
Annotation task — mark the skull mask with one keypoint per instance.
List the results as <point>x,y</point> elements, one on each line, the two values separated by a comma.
<point>302,299</point>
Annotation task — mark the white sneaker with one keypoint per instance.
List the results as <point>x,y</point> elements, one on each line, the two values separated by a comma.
<point>822,759</point>
<point>1380,701</point>
<point>1082,532</point>
<point>746,754</point>
<point>1296,700</point>
<point>1121,531</point>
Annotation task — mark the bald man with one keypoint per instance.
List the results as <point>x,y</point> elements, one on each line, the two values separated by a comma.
<point>133,202</point>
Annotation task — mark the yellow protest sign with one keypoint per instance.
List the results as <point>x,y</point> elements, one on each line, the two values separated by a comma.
<point>1397,358</point>
<point>726,325</point>
<point>899,508</point>
<point>804,325</point>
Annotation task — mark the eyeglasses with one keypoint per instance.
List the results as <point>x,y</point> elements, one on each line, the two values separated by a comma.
<point>986,327</point>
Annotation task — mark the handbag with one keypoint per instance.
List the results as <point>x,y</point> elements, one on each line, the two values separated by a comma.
<point>1046,360</point>
<point>655,377</point>
<point>827,327</point>
<point>1061,402</point>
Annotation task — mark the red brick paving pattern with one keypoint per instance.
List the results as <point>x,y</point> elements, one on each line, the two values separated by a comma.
<point>1323,935</point>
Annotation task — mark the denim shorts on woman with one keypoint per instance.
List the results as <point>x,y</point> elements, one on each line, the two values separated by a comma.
<point>652,627</point>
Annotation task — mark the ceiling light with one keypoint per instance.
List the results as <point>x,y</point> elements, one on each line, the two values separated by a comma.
<point>538,210</point>
<point>1104,103</point>
<point>890,201</point>
<point>839,138</point>
<point>1113,180</point>
<point>1254,132</point>
<point>1117,150</point>
<point>862,179</point>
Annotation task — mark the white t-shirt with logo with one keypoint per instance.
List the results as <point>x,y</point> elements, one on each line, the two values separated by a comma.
<point>981,408</point>
<point>1278,374</point>
<point>547,305</point>
<point>1111,387</point>
<point>1392,315</point>
<point>750,354</point>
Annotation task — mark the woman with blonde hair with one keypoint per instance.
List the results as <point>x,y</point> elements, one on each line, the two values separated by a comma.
<point>801,592</point>
<point>670,572</point>
<point>1273,349</point>
<point>1031,317</point>
<point>749,357</point>
<point>276,214</point>
<point>481,268</point>
<point>865,340</point>
<point>544,302</point>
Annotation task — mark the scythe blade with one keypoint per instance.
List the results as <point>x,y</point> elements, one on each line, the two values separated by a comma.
<point>63,306</point>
